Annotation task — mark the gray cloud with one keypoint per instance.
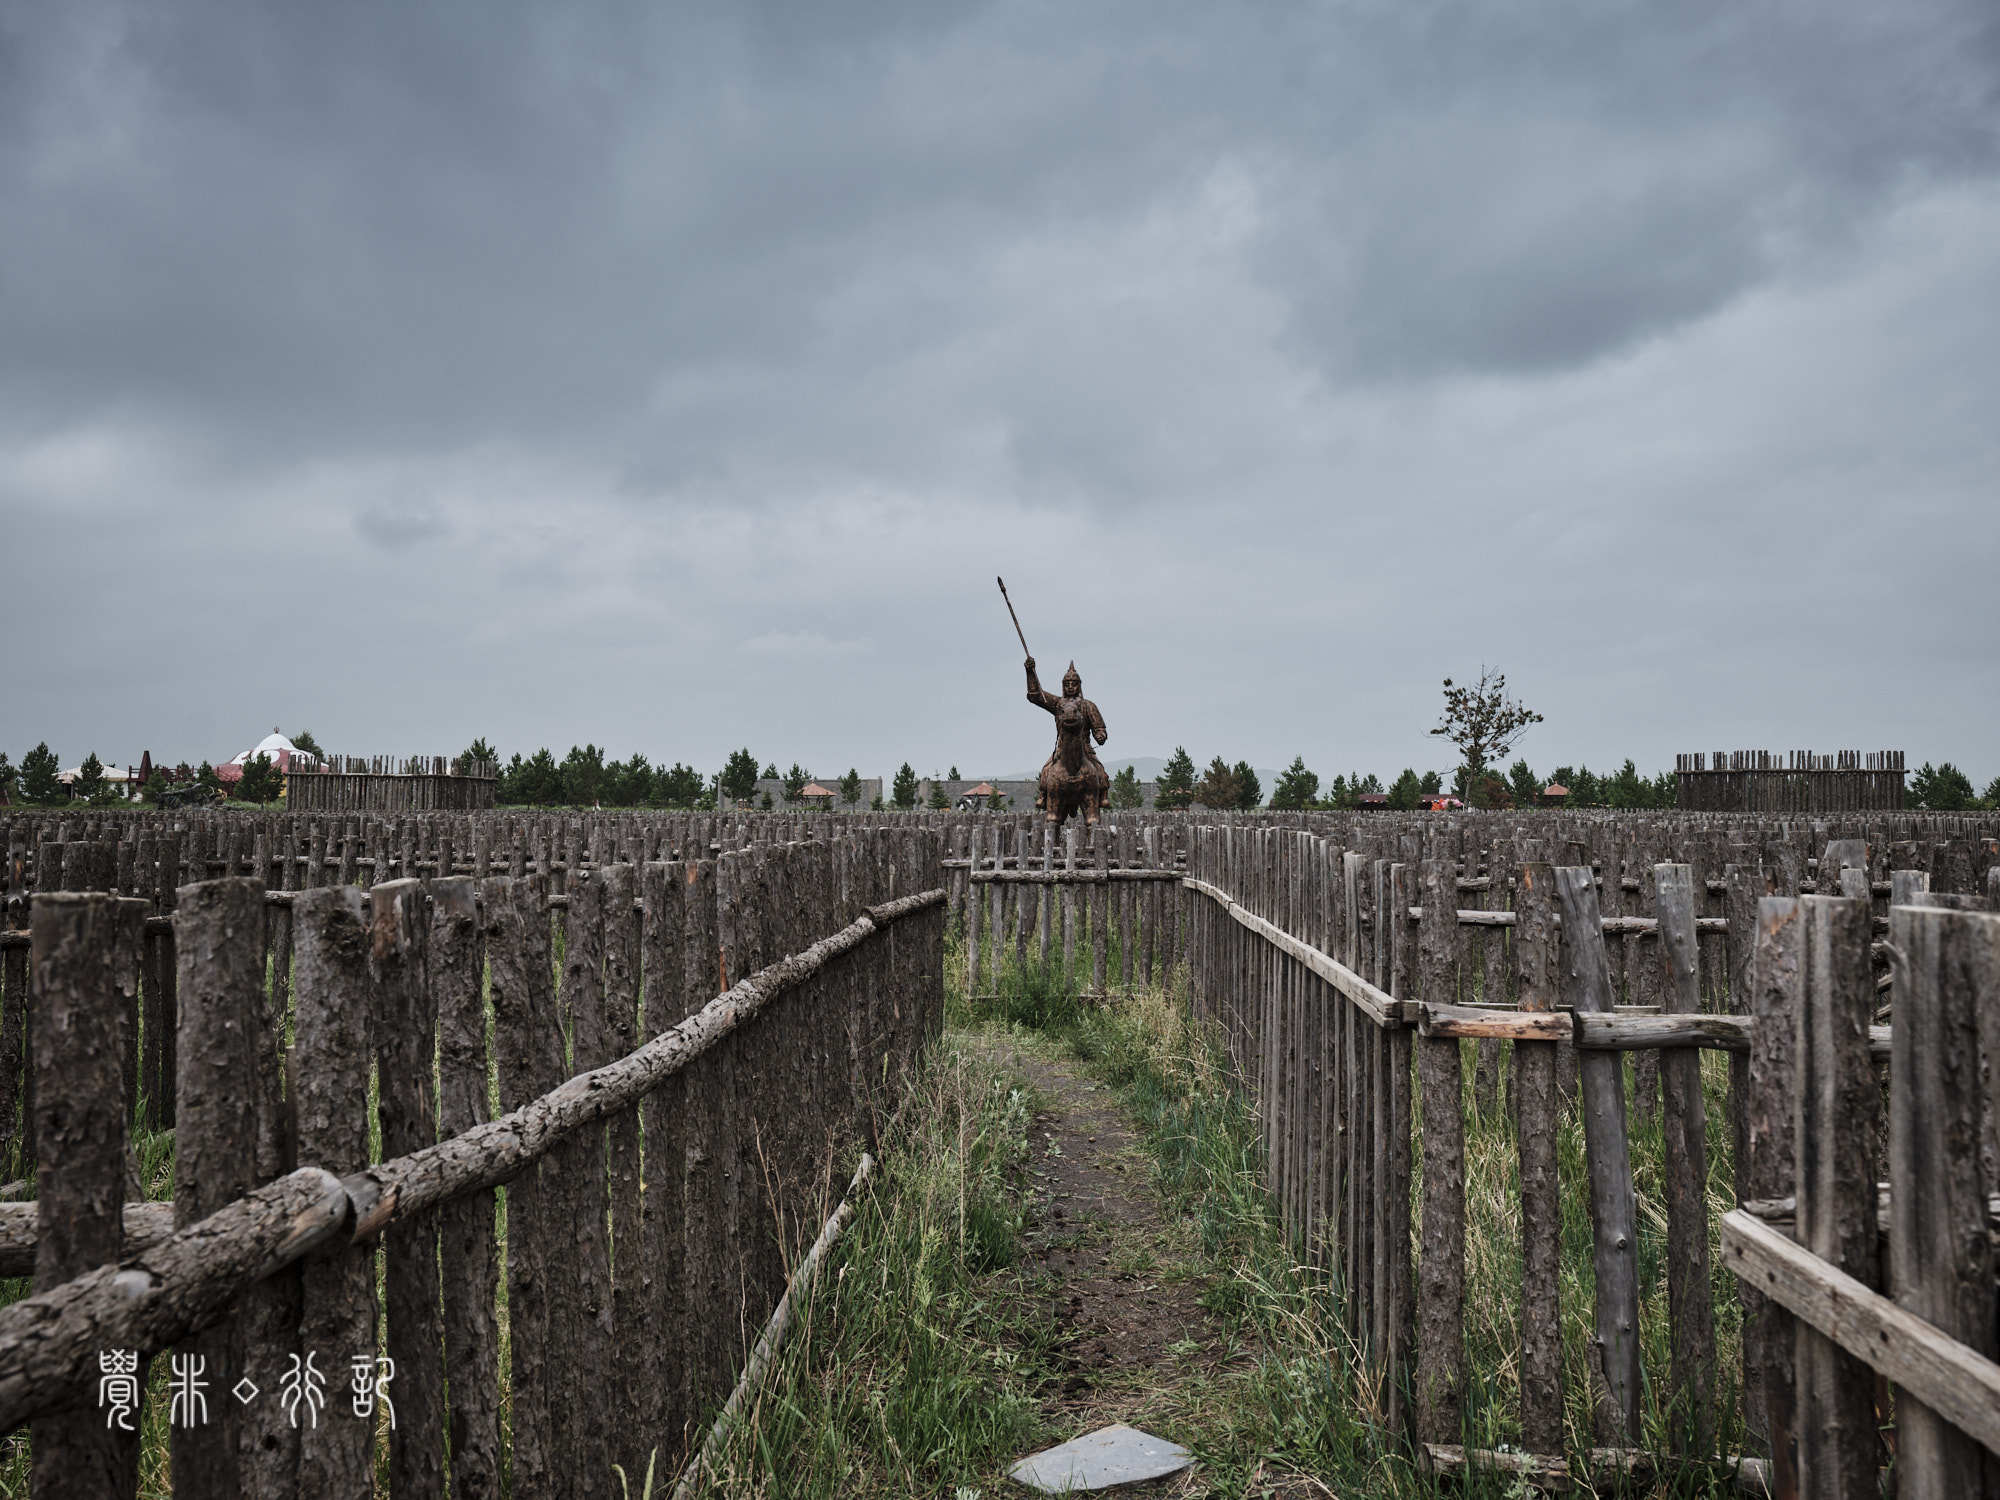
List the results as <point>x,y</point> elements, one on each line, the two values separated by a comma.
<point>684,374</point>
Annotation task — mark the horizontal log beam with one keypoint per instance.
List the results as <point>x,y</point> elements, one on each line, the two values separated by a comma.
<point>1067,877</point>
<point>1491,1021</point>
<point>1627,1029</point>
<point>1958,1383</point>
<point>144,1223</point>
<point>1378,1005</point>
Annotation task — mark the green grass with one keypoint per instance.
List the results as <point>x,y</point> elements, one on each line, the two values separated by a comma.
<point>908,1370</point>
<point>921,1363</point>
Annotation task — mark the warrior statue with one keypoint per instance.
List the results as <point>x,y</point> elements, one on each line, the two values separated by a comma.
<point>1073,780</point>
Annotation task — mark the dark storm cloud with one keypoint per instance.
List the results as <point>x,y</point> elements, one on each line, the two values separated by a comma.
<point>724,350</point>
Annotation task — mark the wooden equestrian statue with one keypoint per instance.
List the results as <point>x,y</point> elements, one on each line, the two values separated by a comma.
<point>1073,779</point>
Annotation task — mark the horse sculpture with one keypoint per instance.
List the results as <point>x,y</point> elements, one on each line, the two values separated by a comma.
<point>1073,780</point>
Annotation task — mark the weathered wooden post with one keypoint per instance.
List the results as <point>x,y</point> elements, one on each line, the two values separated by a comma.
<point>1587,987</point>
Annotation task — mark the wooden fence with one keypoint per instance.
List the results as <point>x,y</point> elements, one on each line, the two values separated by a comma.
<point>379,784</point>
<point>1345,1024</point>
<point>1770,781</point>
<point>1344,980</point>
<point>729,1024</point>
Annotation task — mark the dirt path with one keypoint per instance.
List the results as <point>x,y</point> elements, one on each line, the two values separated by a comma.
<point>1120,1281</point>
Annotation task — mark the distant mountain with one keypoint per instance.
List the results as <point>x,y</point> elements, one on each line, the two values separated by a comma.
<point>1149,768</point>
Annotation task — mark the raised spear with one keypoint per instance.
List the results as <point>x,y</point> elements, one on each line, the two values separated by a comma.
<point>1012,616</point>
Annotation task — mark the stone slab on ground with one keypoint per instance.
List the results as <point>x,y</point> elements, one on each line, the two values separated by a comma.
<point>1099,1460</point>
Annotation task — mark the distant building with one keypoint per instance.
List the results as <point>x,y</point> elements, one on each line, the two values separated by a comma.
<point>125,780</point>
<point>284,755</point>
<point>1016,794</point>
<point>1555,795</point>
<point>818,794</point>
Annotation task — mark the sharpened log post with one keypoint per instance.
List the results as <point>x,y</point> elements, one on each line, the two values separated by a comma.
<point>1399,1285</point>
<point>1440,1364</point>
<point>1834,1132</point>
<point>1100,910</point>
<point>643,955</point>
<point>597,1040</point>
<point>710,1143</point>
<point>1777,977</point>
<point>1690,1308</point>
<point>1607,1156</point>
<point>579,1270</point>
<point>471,1258</point>
<point>1536,956</point>
<point>215,1156</point>
<point>405,1044</point>
<point>80,1175</point>
<point>1947,974</point>
<point>527,1042</point>
<point>337,1312</point>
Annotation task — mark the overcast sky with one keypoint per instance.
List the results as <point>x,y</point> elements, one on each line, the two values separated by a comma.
<point>679,378</point>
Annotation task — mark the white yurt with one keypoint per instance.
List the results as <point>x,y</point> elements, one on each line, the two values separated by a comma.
<point>284,754</point>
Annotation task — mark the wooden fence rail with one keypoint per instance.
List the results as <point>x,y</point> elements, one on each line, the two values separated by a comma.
<point>728,1026</point>
<point>1357,996</point>
<point>1347,1029</point>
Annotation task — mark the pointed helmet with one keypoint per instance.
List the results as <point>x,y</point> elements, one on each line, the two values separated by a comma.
<point>1072,683</point>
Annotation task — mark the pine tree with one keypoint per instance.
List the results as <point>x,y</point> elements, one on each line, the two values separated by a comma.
<point>677,786</point>
<point>904,790</point>
<point>1405,791</point>
<point>38,777</point>
<point>1176,787</point>
<point>583,776</point>
<point>1522,782</point>
<point>1944,788</point>
<point>1125,789</point>
<point>1627,789</point>
<point>739,776</point>
<point>1218,787</point>
<point>1297,788</point>
<point>468,759</point>
<point>850,787</point>
<point>1249,790</point>
<point>304,740</point>
<point>939,801</point>
<point>261,782</point>
<point>795,782</point>
<point>10,780</point>
<point>89,779</point>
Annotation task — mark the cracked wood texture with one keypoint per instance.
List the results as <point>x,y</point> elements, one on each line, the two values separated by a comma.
<point>1608,1161</point>
<point>78,1064</point>
<point>337,1296</point>
<point>1947,975</point>
<point>579,1271</point>
<point>1690,1308</point>
<point>1440,1366</point>
<point>1538,1107</point>
<point>215,1159</point>
<point>470,1256</point>
<point>405,1020</point>
<point>527,1040</point>
<point>1776,979</point>
<point>1834,1134</point>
